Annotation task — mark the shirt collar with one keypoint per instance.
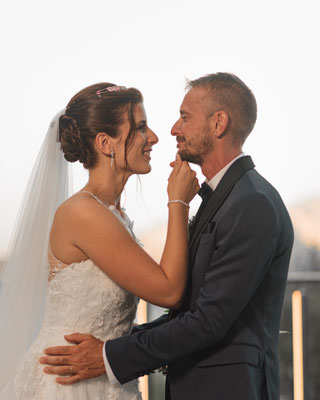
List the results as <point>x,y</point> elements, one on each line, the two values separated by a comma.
<point>214,182</point>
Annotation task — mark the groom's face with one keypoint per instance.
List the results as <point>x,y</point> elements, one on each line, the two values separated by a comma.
<point>192,130</point>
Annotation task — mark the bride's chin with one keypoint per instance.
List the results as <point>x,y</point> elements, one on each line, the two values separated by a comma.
<point>145,170</point>
<point>140,171</point>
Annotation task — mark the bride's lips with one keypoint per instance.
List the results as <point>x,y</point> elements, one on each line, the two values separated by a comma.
<point>146,153</point>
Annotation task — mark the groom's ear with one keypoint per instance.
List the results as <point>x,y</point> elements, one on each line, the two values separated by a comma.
<point>219,122</point>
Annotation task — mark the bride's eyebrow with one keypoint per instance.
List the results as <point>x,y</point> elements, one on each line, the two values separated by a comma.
<point>142,122</point>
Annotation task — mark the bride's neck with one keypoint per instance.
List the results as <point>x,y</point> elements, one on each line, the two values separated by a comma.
<point>107,185</point>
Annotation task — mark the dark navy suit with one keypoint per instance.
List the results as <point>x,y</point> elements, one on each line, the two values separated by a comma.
<point>222,343</point>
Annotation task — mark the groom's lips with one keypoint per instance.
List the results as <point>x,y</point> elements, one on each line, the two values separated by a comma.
<point>180,140</point>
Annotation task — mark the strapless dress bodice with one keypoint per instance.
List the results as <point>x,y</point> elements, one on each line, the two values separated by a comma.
<point>83,298</point>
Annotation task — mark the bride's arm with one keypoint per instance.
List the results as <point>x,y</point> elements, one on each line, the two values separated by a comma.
<point>104,239</point>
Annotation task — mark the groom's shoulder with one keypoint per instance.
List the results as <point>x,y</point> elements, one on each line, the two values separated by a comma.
<point>252,183</point>
<point>252,187</point>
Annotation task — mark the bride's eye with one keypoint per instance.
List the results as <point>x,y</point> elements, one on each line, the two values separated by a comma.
<point>142,127</point>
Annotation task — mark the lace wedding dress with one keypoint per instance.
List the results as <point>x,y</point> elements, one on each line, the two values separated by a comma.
<point>81,298</point>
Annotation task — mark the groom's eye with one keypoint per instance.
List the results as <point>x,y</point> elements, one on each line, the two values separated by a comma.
<point>183,116</point>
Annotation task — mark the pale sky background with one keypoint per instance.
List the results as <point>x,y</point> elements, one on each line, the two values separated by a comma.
<point>51,49</point>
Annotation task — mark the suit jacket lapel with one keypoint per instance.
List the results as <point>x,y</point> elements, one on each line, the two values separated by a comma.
<point>233,174</point>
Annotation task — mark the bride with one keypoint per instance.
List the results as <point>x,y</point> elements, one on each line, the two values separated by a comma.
<point>96,268</point>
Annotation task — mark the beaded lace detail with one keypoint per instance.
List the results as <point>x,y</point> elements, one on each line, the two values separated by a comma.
<point>55,265</point>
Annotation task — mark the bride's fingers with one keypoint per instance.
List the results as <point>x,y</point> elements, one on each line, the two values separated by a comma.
<point>177,165</point>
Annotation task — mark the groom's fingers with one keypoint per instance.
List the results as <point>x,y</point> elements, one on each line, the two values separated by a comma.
<point>70,380</point>
<point>78,337</point>
<point>64,371</point>
<point>67,350</point>
<point>53,360</point>
<point>58,351</point>
<point>78,364</point>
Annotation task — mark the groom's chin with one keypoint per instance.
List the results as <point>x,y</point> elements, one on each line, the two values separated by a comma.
<point>191,158</point>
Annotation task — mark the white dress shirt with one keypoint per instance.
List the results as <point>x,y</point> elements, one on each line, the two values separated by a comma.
<point>213,183</point>
<point>112,379</point>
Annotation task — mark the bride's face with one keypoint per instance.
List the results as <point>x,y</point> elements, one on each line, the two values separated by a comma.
<point>139,150</point>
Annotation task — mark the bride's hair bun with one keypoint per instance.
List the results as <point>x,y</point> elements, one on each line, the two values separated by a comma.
<point>69,134</point>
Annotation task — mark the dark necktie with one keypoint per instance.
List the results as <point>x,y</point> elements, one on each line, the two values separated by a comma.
<point>205,192</point>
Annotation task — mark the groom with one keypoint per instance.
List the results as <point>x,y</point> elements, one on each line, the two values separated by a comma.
<point>221,344</point>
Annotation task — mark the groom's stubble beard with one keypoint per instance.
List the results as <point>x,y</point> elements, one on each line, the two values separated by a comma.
<point>201,145</point>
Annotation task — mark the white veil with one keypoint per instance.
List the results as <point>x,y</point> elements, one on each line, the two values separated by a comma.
<point>24,276</point>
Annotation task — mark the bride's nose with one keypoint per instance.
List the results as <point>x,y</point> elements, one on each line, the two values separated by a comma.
<point>152,137</point>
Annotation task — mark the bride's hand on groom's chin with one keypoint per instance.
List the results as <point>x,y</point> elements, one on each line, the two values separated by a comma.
<point>75,363</point>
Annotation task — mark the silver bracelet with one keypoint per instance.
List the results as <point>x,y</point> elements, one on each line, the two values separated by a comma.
<point>178,201</point>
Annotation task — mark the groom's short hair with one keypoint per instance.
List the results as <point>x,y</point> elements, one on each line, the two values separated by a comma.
<point>227,92</point>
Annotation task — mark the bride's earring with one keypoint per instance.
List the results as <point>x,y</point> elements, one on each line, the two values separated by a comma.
<point>112,158</point>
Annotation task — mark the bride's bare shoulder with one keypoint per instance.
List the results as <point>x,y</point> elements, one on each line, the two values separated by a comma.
<point>76,201</point>
<point>79,206</point>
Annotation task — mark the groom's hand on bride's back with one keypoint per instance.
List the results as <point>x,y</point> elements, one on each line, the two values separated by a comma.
<point>75,363</point>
